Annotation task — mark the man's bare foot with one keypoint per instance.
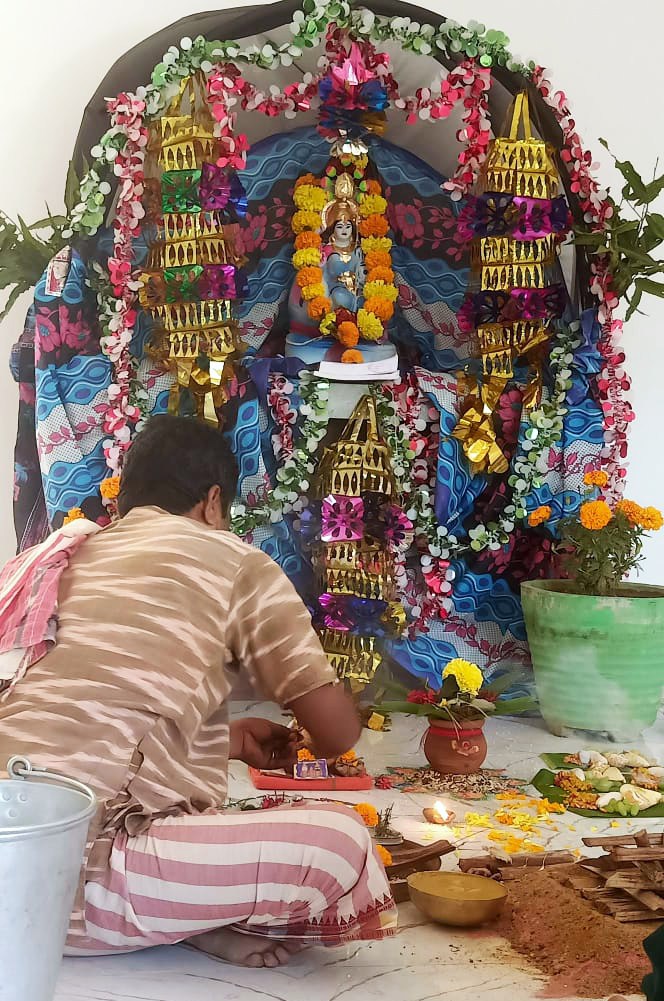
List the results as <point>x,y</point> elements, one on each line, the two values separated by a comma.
<point>245,950</point>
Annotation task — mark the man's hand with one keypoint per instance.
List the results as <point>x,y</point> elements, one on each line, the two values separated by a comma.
<point>263,744</point>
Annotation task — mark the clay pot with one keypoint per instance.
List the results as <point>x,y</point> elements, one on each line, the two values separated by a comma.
<point>455,749</point>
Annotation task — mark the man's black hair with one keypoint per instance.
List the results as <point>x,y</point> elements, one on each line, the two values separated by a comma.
<point>173,463</point>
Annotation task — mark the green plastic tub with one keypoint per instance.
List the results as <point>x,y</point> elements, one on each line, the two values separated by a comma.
<point>598,662</point>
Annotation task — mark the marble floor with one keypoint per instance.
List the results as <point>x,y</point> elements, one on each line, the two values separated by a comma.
<point>424,963</point>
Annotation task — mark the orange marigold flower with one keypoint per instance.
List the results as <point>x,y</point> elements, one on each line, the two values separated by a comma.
<point>539,515</point>
<point>631,510</point>
<point>595,515</point>
<point>306,179</point>
<point>309,276</point>
<point>651,519</point>
<point>377,259</point>
<point>368,813</point>
<point>352,357</point>
<point>381,275</point>
<point>596,478</point>
<point>374,225</point>
<point>382,308</point>
<point>319,306</point>
<point>110,487</point>
<point>374,188</point>
<point>305,240</point>
<point>74,514</point>
<point>348,334</point>
<point>384,855</point>
<point>304,755</point>
<point>349,757</point>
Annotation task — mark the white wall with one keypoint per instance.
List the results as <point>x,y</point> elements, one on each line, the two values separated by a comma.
<point>605,54</point>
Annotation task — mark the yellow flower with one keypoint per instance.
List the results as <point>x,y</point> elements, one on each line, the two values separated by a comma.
<point>477,819</point>
<point>379,243</point>
<point>369,325</point>
<point>539,515</point>
<point>110,488</point>
<point>384,855</point>
<point>373,205</point>
<point>651,519</point>
<point>309,257</point>
<point>595,515</point>
<point>468,676</point>
<point>349,757</point>
<point>304,219</point>
<point>328,324</point>
<point>381,290</point>
<point>368,813</point>
<point>313,291</point>
<point>596,478</point>
<point>74,514</point>
<point>310,198</point>
<point>304,755</point>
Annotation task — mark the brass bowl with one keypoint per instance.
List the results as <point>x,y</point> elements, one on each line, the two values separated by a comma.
<point>457,898</point>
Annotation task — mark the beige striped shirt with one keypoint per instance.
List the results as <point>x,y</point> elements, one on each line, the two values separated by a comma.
<point>133,698</point>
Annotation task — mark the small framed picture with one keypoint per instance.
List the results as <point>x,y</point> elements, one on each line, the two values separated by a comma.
<point>311,769</point>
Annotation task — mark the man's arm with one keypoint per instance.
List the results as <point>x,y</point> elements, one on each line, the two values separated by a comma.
<point>270,634</point>
<point>329,716</point>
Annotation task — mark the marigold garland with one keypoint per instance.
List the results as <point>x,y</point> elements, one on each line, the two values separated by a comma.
<point>110,488</point>
<point>380,291</point>
<point>74,514</point>
<point>352,357</point>
<point>539,515</point>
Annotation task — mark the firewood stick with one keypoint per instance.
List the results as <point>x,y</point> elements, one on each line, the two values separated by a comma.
<point>517,861</point>
<point>639,854</point>
<point>621,841</point>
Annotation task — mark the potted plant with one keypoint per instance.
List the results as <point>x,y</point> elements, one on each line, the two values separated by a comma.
<point>455,743</point>
<point>597,641</point>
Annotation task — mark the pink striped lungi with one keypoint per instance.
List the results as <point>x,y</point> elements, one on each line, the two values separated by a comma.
<point>309,873</point>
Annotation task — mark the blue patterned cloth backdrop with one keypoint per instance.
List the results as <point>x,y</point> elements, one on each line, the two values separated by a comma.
<point>60,439</point>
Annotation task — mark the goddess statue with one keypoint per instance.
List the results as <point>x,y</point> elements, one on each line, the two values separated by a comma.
<point>343,262</point>
<point>343,277</point>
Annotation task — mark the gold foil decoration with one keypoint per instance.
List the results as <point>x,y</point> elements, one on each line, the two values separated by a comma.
<point>503,277</point>
<point>187,139</point>
<point>353,466</point>
<point>353,657</point>
<point>522,166</point>
<point>503,250</point>
<point>475,428</point>
<point>196,339</point>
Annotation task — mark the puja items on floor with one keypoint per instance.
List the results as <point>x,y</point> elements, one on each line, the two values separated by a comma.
<point>625,783</point>
<point>479,785</point>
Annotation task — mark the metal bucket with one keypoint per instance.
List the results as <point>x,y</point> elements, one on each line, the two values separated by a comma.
<point>44,820</point>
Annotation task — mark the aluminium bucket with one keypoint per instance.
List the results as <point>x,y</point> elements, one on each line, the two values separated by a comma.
<point>44,820</point>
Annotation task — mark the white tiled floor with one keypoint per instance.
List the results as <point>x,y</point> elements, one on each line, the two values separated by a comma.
<point>424,963</point>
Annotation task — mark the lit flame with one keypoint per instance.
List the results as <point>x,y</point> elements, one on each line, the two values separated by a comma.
<point>440,810</point>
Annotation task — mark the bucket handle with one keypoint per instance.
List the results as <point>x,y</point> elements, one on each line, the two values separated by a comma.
<point>22,768</point>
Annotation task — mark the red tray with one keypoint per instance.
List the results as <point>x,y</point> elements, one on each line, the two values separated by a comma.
<point>277,783</point>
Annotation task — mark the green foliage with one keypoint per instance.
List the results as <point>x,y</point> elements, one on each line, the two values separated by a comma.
<point>460,706</point>
<point>26,249</point>
<point>632,235</point>
<point>600,559</point>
